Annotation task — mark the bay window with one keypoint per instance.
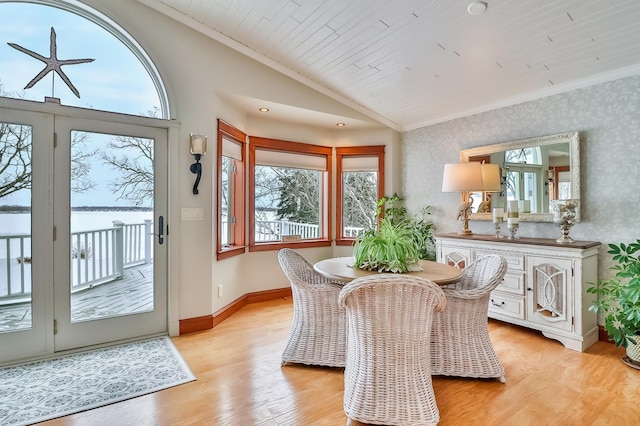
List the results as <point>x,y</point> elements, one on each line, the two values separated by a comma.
<point>289,194</point>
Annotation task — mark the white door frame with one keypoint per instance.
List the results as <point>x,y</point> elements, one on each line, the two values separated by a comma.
<point>43,339</point>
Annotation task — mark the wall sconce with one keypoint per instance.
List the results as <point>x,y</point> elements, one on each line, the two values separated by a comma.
<point>504,173</point>
<point>551,174</point>
<point>197,147</point>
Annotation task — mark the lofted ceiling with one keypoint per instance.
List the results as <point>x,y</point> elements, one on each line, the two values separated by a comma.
<point>412,63</point>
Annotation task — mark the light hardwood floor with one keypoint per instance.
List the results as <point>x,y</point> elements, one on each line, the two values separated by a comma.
<point>240,382</point>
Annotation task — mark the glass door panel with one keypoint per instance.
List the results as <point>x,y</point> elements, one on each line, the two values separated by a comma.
<point>530,192</point>
<point>15,226</point>
<point>111,225</point>
<point>513,185</point>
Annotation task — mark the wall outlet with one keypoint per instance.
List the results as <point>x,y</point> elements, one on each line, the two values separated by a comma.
<point>219,290</point>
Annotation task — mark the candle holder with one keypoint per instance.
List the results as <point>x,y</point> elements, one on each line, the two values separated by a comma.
<point>497,220</point>
<point>512,219</point>
<point>564,215</point>
<point>497,227</point>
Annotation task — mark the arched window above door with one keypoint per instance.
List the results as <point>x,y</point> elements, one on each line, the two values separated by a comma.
<point>121,78</point>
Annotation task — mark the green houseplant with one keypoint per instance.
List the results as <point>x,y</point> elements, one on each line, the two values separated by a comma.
<point>619,297</point>
<point>399,241</point>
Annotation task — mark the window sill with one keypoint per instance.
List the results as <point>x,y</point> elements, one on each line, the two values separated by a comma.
<point>345,242</point>
<point>228,252</point>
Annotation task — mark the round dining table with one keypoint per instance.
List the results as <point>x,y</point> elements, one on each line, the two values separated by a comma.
<point>342,269</point>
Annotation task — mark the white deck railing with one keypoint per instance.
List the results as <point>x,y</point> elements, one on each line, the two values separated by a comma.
<point>273,230</point>
<point>15,266</point>
<point>97,256</point>
<point>101,255</point>
<point>352,231</point>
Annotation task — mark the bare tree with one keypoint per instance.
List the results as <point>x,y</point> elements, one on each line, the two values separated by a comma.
<point>132,158</point>
<point>267,194</point>
<point>81,163</point>
<point>15,158</point>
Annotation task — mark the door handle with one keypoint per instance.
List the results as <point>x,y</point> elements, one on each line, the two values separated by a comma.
<point>160,229</point>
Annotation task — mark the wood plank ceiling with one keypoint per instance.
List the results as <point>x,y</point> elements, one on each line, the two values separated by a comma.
<point>412,63</point>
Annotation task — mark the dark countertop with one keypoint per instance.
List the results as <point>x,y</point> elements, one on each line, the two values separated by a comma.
<point>523,240</point>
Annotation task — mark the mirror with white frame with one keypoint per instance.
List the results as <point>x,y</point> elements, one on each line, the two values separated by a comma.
<point>534,171</point>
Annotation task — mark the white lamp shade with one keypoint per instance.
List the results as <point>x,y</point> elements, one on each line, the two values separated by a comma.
<point>491,177</point>
<point>461,177</point>
<point>198,144</point>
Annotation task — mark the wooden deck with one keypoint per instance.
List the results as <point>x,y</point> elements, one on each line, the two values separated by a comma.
<point>132,294</point>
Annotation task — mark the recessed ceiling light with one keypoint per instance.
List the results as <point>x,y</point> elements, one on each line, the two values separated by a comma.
<point>477,7</point>
<point>340,124</point>
<point>264,110</point>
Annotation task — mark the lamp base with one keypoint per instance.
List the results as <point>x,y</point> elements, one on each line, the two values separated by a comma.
<point>463,213</point>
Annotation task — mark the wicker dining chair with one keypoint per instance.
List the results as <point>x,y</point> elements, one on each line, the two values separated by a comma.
<point>318,330</point>
<point>387,379</point>
<point>460,343</point>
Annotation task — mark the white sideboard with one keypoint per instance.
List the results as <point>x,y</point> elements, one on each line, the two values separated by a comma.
<point>544,287</point>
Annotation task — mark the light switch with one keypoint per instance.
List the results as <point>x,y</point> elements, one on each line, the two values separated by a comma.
<point>192,213</point>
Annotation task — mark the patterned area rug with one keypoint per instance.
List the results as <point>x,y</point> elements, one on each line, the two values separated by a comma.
<point>43,390</point>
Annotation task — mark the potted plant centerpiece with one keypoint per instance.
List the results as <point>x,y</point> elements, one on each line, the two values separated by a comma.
<point>619,300</point>
<point>399,241</point>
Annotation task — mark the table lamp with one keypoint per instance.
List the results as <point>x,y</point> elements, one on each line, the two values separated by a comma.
<point>465,178</point>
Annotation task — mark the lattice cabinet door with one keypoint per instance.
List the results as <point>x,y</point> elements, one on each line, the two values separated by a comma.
<point>455,256</point>
<point>549,292</point>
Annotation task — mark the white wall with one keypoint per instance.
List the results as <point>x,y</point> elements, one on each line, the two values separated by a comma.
<point>200,74</point>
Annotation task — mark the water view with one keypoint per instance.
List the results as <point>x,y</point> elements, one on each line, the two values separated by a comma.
<point>20,223</point>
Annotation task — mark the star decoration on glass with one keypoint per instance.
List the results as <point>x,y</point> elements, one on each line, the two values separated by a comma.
<point>52,63</point>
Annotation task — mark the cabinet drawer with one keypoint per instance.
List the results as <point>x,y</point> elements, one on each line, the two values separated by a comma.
<point>515,261</point>
<point>513,283</point>
<point>506,305</point>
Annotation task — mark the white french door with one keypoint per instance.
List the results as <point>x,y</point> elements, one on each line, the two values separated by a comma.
<point>26,287</point>
<point>90,270</point>
<point>82,251</point>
